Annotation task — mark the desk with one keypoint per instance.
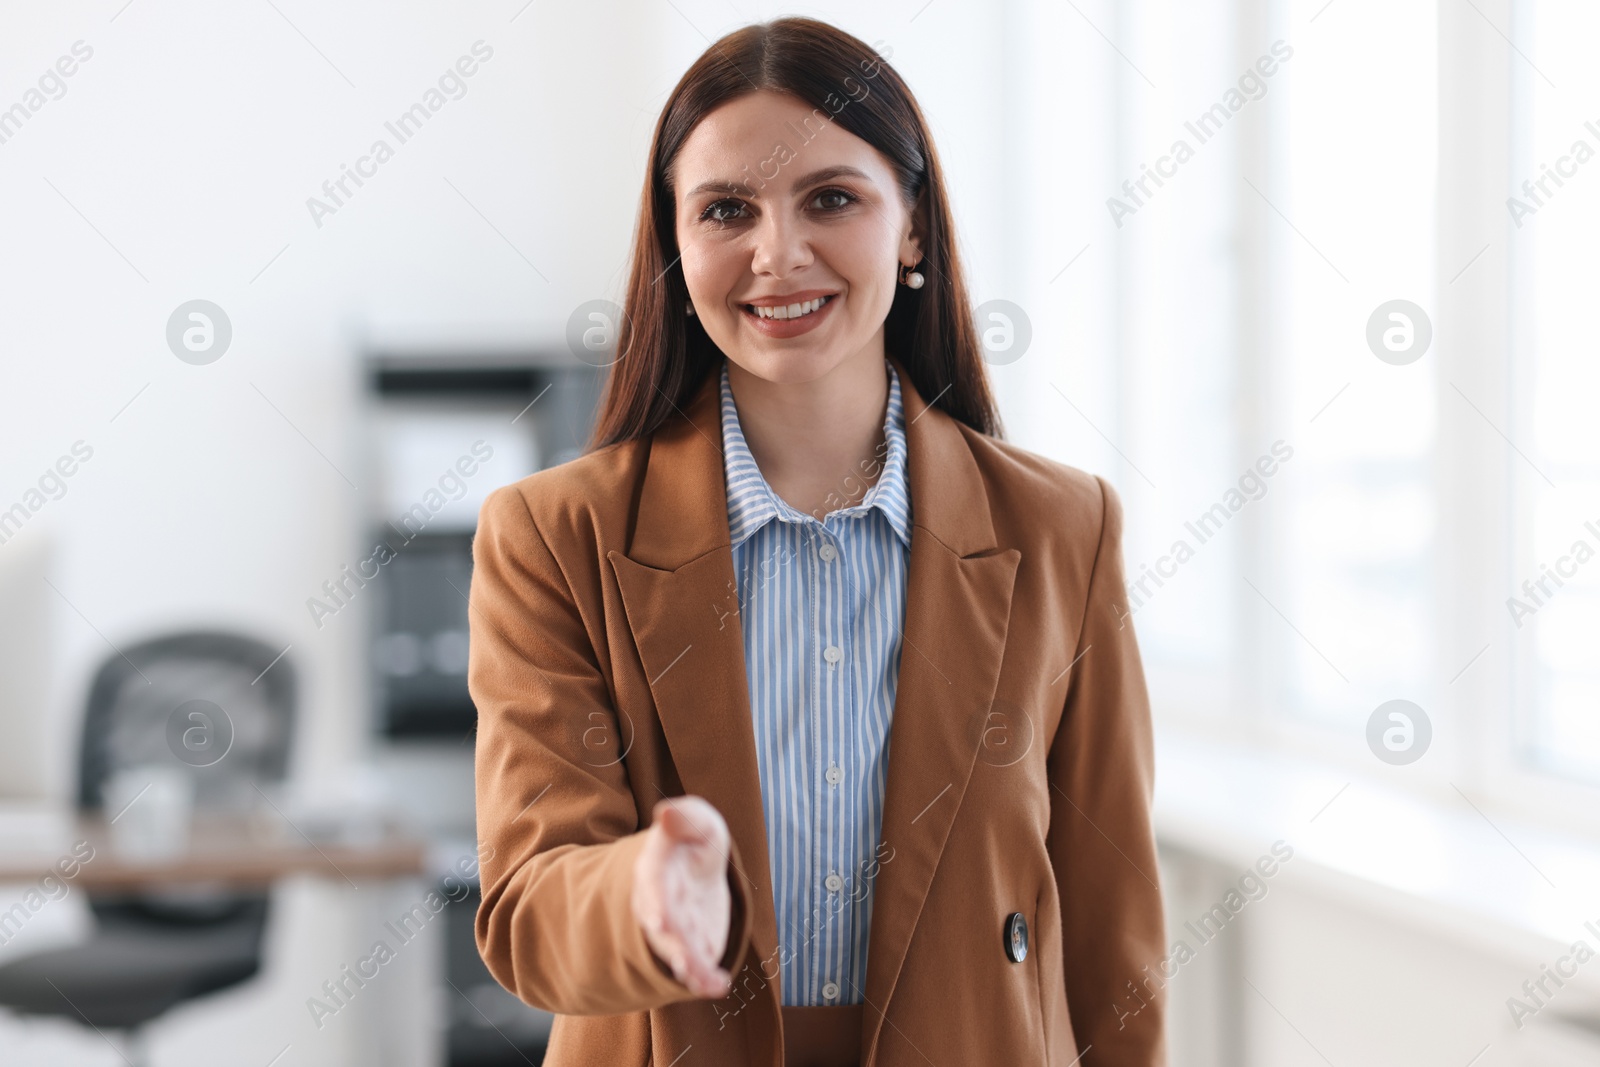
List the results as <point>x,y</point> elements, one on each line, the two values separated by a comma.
<point>223,851</point>
<point>331,900</point>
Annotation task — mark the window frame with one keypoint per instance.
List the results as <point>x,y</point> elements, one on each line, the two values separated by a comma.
<point>1481,684</point>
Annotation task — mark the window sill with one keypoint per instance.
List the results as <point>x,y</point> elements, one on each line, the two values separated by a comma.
<point>1512,889</point>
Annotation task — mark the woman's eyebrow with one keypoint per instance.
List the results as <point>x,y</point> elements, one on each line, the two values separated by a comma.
<point>743,189</point>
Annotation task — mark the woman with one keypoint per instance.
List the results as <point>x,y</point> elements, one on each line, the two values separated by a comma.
<point>811,730</point>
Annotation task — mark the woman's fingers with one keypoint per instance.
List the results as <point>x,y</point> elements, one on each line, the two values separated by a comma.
<point>699,970</point>
<point>683,943</point>
<point>706,979</point>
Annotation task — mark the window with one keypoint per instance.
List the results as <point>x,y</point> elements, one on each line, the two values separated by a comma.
<point>1553,608</point>
<point>1345,615</point>
<point>1408,497</point>
<point>1178,330</point>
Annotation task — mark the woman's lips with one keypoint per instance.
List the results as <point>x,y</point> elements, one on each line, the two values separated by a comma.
<point>782,328</point>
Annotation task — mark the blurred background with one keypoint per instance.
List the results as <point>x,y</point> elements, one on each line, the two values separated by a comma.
<point>1310,283</point>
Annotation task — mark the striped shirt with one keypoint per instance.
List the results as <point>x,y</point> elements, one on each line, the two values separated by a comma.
<point>821,603</point>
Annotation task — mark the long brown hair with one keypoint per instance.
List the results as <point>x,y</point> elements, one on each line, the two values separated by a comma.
<point>663,355</point>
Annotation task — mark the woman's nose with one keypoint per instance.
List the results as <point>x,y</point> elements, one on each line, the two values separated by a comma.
<point>781,246</point>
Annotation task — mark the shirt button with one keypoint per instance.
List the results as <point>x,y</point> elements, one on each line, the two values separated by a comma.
<point>827,552</point>
<point>833,653</point>
<point>834,775</point>
<point>830,991</point>
<point>833,882</point>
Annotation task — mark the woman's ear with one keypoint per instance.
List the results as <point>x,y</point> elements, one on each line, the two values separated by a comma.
<point>915,238</point>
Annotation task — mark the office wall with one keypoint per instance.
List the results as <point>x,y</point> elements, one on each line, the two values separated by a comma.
<point>176,166</point>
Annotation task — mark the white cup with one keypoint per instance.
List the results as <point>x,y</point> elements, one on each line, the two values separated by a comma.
<point>149,809</point>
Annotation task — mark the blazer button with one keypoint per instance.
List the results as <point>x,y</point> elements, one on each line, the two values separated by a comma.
<point>1016,937</point>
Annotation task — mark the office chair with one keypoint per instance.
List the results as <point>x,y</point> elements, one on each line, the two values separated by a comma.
<point>153,950</point>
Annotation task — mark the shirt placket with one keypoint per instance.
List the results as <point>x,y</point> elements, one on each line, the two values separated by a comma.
<point>823,813</point>
<point>829,770</point>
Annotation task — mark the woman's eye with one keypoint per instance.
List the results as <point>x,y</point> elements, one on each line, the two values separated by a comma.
<point>721,211</point>
<point>834,199</point>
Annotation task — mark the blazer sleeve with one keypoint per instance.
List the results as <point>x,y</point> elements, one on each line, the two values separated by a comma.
<point>558,834</point>
<point>1101,837</point>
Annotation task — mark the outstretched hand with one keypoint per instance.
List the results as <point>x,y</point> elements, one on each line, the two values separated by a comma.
<point>680,892</point>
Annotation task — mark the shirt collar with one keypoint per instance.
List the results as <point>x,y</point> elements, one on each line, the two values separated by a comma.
<point>752,503</point>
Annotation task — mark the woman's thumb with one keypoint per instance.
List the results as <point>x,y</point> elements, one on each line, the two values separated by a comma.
<point>685,822</point>
<point>675,823</point>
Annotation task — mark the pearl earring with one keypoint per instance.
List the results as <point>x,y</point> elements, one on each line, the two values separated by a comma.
<point>913,280</point>
<point>690,311</point>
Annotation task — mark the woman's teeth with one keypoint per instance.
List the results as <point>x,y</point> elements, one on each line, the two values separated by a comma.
<point>789,311</point>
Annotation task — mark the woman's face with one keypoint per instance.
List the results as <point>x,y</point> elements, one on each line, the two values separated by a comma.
<point>767,220</point>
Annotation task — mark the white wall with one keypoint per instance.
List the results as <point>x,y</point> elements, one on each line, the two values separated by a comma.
<point>191,140</point>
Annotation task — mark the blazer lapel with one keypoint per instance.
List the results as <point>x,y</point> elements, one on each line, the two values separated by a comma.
<point>679,594</point>
<point>958,609</point>
<point>681,601</point>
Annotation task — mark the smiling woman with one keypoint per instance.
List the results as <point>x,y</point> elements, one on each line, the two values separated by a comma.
<point>814,133</point>
<point>884,761</point>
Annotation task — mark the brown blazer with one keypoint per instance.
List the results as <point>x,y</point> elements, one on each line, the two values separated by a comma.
<point>608,671</point>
